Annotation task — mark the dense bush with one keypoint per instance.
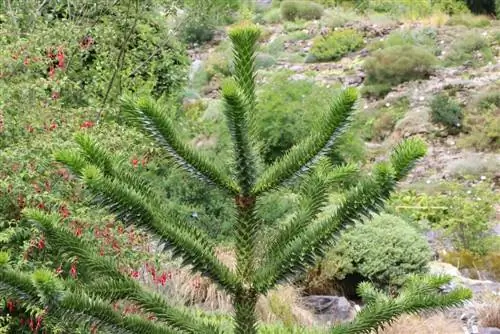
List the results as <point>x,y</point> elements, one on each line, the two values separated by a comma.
<point>447,112</point>
<point>201,18</point>
<point>297,9</point>
<point>467,49</point>
<point>423,37</point>
<point>469,20</point>
<point>336,44</point>
<point>451,7</point>
<point>394,65</point>
<point>482,123</point>
<point>463,214</point>
<point>378,123</point>
<point>385,251</point>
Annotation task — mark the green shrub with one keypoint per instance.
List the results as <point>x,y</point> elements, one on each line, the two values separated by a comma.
<point>218,64</point>
<point>469,20</point>
<point>296,9</point>
<point>482,123</point>
<point>464,50</point>
<point>402,8</point>
<point>384,251</point>
<point>425,38</point>
<point>451,7</point>
<point>287,108</point>
<point>447,112</point>
<point>272,16</point>
<point>264,60</point>
<point>378,124</point>
<point>336,44</point>
<point>397,64</point>
<point>462,213</point>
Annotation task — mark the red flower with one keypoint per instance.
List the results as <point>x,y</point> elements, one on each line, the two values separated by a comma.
<point>11,306</point>
<point>135,162</point>
<point>41,244</point>
<point>48,187</point>
<point>52,72</point>
<point>60,58</point>
<point>64,212</point>
<point>52,126</point>
<point>78,231</point>
<point>72,270</point>
<point>59,270</point>
<point>135,274</point>
<point>41,206</point>
<point>162,279</point>
<point>26,61</point>
<point>86,125</point>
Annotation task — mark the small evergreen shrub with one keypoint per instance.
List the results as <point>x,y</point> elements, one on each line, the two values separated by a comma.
<point>378,124</point>
<point>451,7</point>
<point>292,10</point>
<point>395,65</point>
<point>287,108</point>
<point>264,60</point>
<point>447,112</point>
<point>425,38</point>
<point>385,251</point>
<point>336,44</point>
<point>462,213</point>
<point>465,49</point>
<point>482,123</point>
<point>469,20</point>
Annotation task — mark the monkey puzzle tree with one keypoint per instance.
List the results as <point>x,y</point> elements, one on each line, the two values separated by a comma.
<point>263,261</point>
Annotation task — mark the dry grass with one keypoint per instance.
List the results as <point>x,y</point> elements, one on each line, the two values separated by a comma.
<point>184,288</point>
<point>489,312</point>
<point>437,20</point>
<point>435,324</point>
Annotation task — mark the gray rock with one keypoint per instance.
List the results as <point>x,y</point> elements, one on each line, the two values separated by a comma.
<point>331,309</point>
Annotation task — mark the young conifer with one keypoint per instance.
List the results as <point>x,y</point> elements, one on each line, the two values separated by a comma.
<point>263,262</point>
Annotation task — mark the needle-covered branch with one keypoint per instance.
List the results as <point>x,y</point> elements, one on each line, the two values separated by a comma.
<point>303,156</point>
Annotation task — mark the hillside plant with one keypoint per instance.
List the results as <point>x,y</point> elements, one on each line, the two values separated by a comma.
<point>262,263</point>
<point>292,10</point>
<point>394,65</point>
<point>447,112</point>
<point>359,254</point>
<point>482,123</point>
<point>336,44</point>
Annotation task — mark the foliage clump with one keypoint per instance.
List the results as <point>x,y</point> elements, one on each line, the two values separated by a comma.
<point>384,251</point>
<point>482,123</point>
<point>447,112</point>
<point>292,10</point>
<point>394,65</point>
<point>467,49</point>
<point>336,44</point>
<point>287,109</point>
<point>463,214</point>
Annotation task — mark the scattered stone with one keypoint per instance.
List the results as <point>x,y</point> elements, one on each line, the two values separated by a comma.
<point>331,309</point>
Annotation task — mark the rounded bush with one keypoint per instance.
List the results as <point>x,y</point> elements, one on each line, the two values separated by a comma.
<point>384,250</point>
<point>306,10</point>
<point>397,64</point>
<point>447,112</point>
<point>336,44</point>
